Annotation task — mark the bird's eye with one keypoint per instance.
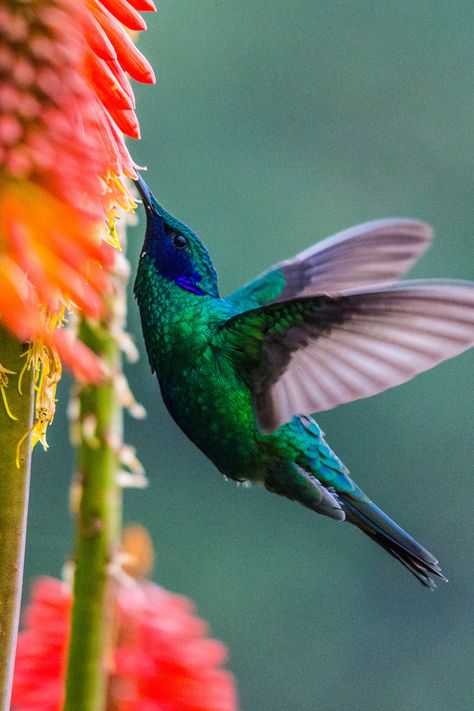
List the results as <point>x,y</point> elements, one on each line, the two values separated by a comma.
<point>180,241</point>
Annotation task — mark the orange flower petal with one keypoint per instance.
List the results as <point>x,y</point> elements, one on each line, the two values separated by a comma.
<point>131,59</point>
<point>109,90</point>
<point>57,255</point>
<point>97,38</point>
<point>77,357</point>
<point>127,122</point>
<point>162,658</point>
<point>16,304</point>
<point>125,13</point>
<point>143,5</point>
<point>64,100</point>
<point>126,163</point>
<point>123,80</point>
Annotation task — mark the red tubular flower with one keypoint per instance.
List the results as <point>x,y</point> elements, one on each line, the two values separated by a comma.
<point>162,660</point>
<point>65,102</point>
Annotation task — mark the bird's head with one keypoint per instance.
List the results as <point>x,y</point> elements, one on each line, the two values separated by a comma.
<point>176,251</point>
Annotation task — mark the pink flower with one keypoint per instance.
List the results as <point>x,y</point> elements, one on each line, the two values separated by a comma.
<point>162,661</point>
<point>65,103</point>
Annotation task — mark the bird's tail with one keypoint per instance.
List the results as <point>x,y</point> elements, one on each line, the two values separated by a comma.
<point>372,520</point>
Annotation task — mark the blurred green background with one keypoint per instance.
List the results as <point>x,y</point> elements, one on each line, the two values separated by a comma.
<point>273,125</point>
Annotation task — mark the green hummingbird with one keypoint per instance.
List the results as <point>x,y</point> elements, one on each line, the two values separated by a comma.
<point>242,376</point>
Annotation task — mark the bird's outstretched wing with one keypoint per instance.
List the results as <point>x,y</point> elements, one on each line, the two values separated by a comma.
<point>371,253</point>
<point>311,354</point>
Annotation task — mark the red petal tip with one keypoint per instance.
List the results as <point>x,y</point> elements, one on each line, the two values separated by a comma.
<point>143,5</point>
<point>127,122</point>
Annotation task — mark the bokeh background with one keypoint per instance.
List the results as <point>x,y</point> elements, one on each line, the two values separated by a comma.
<point>274,124</point>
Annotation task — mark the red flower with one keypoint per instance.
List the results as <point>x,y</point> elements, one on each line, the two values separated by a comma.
<point>163,660</point>
<point>65,101</point>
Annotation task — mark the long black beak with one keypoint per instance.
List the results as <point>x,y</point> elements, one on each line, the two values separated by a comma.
<point>145,194</point>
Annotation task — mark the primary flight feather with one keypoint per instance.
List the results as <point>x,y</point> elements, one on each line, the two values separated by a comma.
<point>243,376</point>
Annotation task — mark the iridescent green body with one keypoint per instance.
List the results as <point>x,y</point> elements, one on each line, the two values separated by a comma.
<point>242,376</point>
<point>206,393</point>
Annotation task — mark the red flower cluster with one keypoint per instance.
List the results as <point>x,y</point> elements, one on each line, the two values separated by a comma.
<point>64,101</point>
<point>163,660</point>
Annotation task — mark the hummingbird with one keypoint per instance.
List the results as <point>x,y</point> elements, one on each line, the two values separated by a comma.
<point>243,376</point>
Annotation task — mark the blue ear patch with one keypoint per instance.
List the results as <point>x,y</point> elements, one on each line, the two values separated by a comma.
<point>173,264</point>
<point>186,283</point>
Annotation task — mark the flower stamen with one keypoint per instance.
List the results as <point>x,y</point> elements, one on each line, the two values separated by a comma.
<point>44,361</point>
<point>4,373</point>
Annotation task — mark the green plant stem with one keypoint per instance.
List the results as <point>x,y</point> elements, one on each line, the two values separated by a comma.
<point>14,490</point>
<point>98,528</point>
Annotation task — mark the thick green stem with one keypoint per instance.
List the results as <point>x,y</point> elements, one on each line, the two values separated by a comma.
<point>14,489</point>
<point>98,528</point>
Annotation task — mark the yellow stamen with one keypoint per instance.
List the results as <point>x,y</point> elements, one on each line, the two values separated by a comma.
<point>113,236</point>
<point>22,372</point>
<point>18,447</point>
<point>5,403</point>
<point>118,183</point>
<point>4,373</point>
<point>44,361</point>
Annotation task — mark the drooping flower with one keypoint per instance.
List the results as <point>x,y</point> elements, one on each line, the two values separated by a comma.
<point>162,659</point>
<point>65,102</point>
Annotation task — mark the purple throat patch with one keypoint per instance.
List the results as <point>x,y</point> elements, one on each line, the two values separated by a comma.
<point>186,283</point>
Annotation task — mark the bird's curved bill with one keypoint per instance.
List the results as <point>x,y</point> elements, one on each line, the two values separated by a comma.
<point>146,195</point>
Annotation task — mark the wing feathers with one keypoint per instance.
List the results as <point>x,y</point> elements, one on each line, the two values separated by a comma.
<point>370,253</point>
<point>378,339</point>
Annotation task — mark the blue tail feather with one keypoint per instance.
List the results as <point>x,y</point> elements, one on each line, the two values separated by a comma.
<point>376,524</point>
